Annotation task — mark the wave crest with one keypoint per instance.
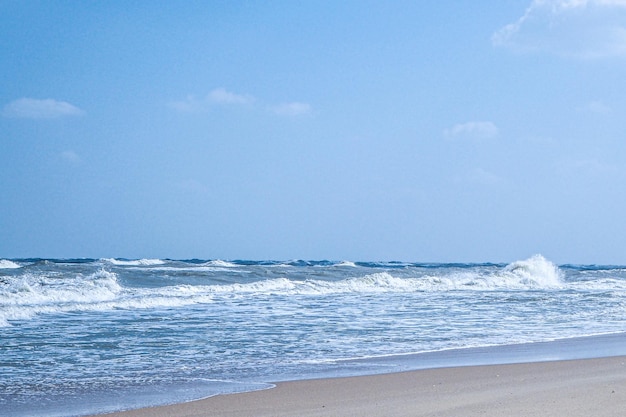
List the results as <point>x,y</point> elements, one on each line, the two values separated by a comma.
<point>536,271</point>
<point>6,264</point>
<point>29,289</point>
<point>135,262</point>
<point>24,296</point>
<point>220,263</point>
<point>29,294</point>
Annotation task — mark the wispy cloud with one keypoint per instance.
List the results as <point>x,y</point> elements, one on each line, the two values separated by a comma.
<point>218,96</point>
<point>474,129</point>
<point>31,108</point>
<point>292,109</point>
<point>585,29</point>
<point>597,107</point>
<point>481,177</point>
<point>188,105</point>
<point>223,97</point>
<point>70,156</point>
<point>591,167</point>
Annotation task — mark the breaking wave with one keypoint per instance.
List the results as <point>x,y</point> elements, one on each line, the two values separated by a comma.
<point>136,262</point>
<point>533,273</point>
<point>24,296</point>
<point>536,271</point>
<point>6,264</point>
<point>221,264</point>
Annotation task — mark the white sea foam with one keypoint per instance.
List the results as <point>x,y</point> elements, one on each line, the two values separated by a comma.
<point>102,287</point>
<point>536,271</point>
<point>221,264</point>
<point>30,289</point>
<point>200,268</point>
<point>136,262</point>
<point>24,296</point>
<point>530,274</point>
<point>6,264</point>
<point>28,295</point>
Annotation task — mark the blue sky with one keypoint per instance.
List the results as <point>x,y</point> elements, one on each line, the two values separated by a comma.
<point>359,130</point>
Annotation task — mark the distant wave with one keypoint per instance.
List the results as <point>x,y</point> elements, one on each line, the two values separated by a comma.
<point>137,262</point>
<point>6,264</point>
<point>533,273</point>
<point>28,295</point>
<point>537,271</point>
<point>220,264</point>
<point>34,293</point>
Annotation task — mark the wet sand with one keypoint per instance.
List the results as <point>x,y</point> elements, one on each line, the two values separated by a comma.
<point>584,387</point>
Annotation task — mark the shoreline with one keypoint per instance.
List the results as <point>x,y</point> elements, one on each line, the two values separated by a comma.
<point>580,387</point>
<point>560,373</point>
<point>577,347</point>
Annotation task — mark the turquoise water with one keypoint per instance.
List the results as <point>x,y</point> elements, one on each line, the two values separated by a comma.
<point>93,335</point>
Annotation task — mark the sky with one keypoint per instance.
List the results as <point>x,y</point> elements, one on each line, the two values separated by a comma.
<point>448,131</point>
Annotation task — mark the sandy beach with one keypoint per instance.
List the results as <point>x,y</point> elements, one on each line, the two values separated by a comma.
<point>586,387</point>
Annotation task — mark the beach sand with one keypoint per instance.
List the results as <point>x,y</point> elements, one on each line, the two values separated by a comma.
<point>586,387</point>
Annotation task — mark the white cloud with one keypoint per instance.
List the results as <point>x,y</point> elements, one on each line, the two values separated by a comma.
<point>292,109</point>
<point>31,108</point>
<point>575,28</point>
<point>218,96</point>
<point>222,96</point>
<point>477,129</point>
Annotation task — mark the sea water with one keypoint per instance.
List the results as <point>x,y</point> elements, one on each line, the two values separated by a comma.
<point>81,336</point>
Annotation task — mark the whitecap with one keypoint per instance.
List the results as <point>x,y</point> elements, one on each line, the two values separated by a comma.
<point>135,262</point>
<point>24,296</point>
<point>6,264</point>
<point>219,263</point>
<point>32,289</point>
<point>29,295</point>
<point>536,272</point>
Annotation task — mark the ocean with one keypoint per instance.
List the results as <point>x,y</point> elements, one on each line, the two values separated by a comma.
<point>84,336</point>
